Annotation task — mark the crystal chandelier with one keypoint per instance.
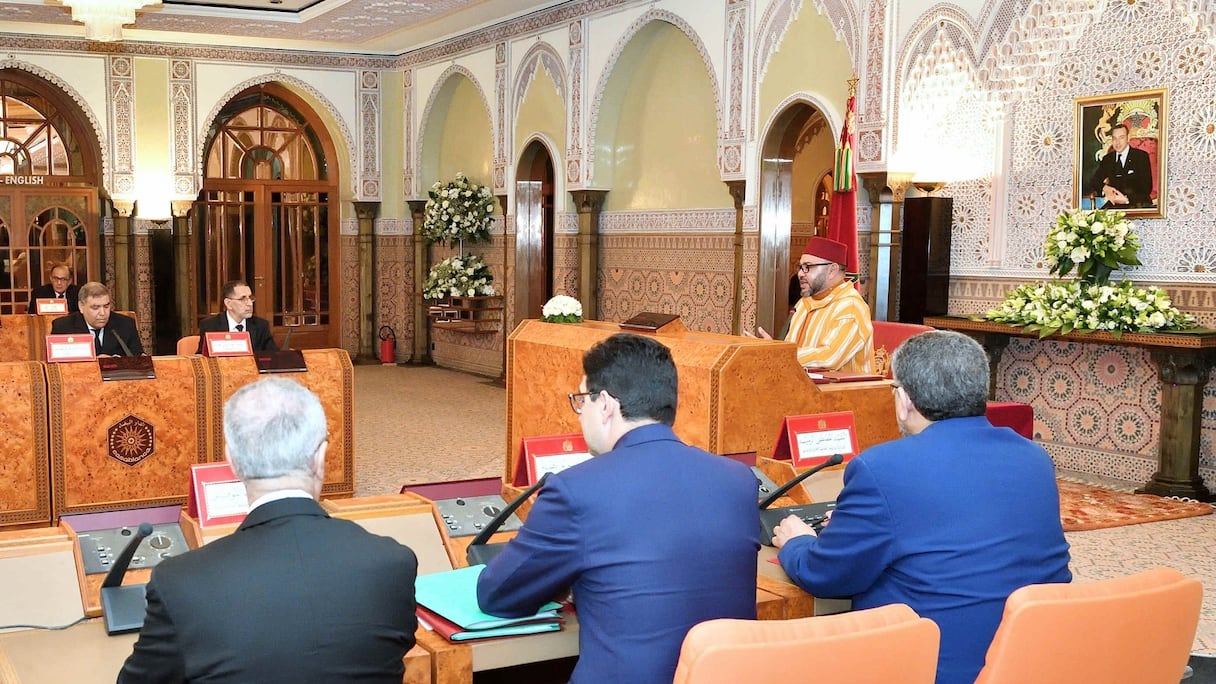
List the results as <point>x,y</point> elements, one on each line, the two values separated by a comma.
<point>103,19</point>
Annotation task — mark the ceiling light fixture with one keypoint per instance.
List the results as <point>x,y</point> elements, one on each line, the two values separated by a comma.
<point>103,19</point>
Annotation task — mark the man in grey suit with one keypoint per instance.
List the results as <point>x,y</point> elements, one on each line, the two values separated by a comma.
<point>293,595</point>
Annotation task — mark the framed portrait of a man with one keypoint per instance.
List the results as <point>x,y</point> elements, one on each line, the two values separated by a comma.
<point>1120,153</point>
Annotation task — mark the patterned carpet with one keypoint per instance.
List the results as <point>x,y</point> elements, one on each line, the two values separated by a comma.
<point>1085,507</point>
<point>425,424</point>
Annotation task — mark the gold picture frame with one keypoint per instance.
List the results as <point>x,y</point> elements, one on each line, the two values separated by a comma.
<point>1100,179</point>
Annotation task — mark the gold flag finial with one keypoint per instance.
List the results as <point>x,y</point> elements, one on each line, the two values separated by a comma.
<point>852,86</point>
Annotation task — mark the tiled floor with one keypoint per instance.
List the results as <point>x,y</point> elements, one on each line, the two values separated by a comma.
<point>425,424</point>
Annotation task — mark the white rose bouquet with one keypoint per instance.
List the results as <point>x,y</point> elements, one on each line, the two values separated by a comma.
<point>458,210</point>
<point>458,276</point>
<point>562,309</point>
<point>1096,242</point>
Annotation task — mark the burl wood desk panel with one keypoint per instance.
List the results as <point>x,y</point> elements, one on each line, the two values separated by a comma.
<point>331,376</point>
<point>25,485</point>
<point>127,443</point>
<point>734,391</point>
<point>21,337</point>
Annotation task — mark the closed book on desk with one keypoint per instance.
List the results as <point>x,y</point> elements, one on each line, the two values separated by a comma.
<point>453,595</point>
<point>454,632</point>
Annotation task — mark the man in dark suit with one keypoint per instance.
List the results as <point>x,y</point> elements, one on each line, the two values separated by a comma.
<point>60,287</point>
<point>1124,177</point>
<point>113,333</point>
<point>237,316</point>
<point>293,595</point>
<point>652,536</point>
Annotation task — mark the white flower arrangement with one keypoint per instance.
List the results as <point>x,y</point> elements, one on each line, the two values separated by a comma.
<point>562,309</point>
<point>458,276</point>
<point>1095,242</point>
<point>1065,306</point>
<point>458,210</point>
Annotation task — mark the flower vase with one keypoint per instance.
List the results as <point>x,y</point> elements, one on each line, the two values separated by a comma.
<point>1098,274</point>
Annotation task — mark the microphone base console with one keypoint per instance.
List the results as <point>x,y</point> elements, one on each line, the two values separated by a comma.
<point>468,515</point>
<point>99,548</point>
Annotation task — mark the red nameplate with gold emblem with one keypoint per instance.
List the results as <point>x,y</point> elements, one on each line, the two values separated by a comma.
<point>810,440</point>
<point>73,347</point>
<point>227,344</point>
<point>550,454</point>
<point>58,307</point>
<point>217,496</point>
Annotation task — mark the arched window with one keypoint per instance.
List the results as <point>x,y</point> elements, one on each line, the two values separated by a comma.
<point>48,198</point>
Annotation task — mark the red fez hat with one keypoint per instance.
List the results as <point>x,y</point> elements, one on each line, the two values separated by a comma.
<point>824,248</point>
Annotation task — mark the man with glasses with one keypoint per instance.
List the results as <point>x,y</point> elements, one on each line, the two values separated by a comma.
<point>60,287</point>
<point>652,536</point>
<point>831,323</point>
<point>237,316</point>
<point>293,595</point>
<point>950,519</point>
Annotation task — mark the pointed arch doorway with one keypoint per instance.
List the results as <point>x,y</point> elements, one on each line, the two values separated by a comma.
<point>534,217</point>
<point>268,214</point>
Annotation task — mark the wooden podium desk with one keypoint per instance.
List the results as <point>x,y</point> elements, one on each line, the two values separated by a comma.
<point>128,444</point>
<point>25,485</point>
<point>330,376</point>
<point>21,337</point>
<point>734,391</point>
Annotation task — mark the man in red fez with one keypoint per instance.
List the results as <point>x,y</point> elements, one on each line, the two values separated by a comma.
<point>831,324</point>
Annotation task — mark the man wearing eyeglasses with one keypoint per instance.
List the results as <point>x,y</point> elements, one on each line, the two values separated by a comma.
<point>237,316</point>
<point>113,333</point>
<point>652,536</point>
<point>831,323</point>
<point>950,519</point>
<point>293,595</point>
<point>60,287</point>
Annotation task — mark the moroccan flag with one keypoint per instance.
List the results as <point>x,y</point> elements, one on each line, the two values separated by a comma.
<point>842,214</point>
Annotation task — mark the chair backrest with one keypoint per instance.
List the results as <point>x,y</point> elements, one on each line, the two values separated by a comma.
<point>874,646</point>
<point>1139,628</point>
<point>187,345</point>
<point>887,337</point>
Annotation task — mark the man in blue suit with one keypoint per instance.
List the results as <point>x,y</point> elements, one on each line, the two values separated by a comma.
<point>651,535</point>
<point>949,520</point>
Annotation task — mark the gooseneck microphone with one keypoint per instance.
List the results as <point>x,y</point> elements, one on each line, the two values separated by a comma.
<point>479,551</point>
<point>835,459</point>
<point>119,569</point>
<point>124,606</point>
<point>814,514</point>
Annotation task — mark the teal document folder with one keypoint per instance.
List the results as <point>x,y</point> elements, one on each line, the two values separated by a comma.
<point>452,595</point>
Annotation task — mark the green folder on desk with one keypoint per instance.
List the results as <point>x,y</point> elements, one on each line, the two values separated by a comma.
<point>451,597</point>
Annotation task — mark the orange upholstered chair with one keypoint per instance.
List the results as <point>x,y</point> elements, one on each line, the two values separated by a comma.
<point>875,646</point>
<point>888,336</point>
<point>1136,629</point>
<point>187,345</point>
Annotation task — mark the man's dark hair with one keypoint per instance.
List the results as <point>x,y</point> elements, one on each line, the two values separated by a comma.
<point>638,371</point>
<point>1117,127</point>
<point>230,288</point>
<point>944,373</point>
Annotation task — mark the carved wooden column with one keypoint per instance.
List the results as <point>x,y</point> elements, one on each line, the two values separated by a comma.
<point>886,191</point>
<point>182,267</point>
<point>366,213</point>
<point>124,295</point>
<point>738,192</point>
<point>422,327</point>
<point>1183,373</point>
<point>508,255</point>
<point>589,203</point>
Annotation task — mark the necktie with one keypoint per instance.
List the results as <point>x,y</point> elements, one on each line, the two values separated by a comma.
<point>240,327</point>
<point>97,340</point>
<point>1122,159</point>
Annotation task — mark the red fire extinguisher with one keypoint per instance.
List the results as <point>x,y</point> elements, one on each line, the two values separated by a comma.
<point>388,346</point>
